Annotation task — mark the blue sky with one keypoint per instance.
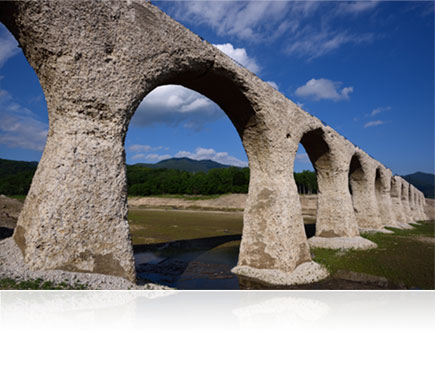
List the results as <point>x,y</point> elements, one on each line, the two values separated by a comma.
<point>364,68</point>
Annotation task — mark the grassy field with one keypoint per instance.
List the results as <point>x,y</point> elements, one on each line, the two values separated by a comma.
<point>157,226</point>
<point>405,258</point>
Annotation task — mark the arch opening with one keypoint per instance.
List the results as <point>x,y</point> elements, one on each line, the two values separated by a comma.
<point>404,193</point>
<point>195,243</point>
<point>357,178</point>
<point>314,179</point>
<point>378,182</point>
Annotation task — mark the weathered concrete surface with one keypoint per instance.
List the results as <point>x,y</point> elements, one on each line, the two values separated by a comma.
<point>413,202</point>
<point>405,202</point>
<point>396,198</point>
<point>362,182</point>
<point>429,209</point>
<point>330,155</point>
<point>94,72</point>
<point>423,211</point>
<point>308,272</point>
<point>383,196</point>
<point>356,242</point>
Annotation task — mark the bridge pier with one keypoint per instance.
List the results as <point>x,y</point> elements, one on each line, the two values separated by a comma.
<point>362,181</point>
<point>396,199</point>
<point>405,202</point>
<point>75,216</point>
<point>336,226</point>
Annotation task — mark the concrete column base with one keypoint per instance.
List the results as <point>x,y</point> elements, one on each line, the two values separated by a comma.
<point>356,242</point>
<point>373,231</point>
<point>405,226</point>
<point>305,273</point>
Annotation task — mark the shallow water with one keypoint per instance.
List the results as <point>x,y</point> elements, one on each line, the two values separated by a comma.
<point>204,262</point>
<point>190,264</point>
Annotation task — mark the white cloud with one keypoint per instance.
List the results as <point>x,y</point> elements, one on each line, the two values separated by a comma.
<point>379,110</point>
<point>312,43</point>
<point>323,89</point>
<point>273,84</point>
<point>22,132</point>
<point>8,45</point>
<point>152,157</point>
<point>220,157</point>
<point>145,148</point>
<point>356,7</point>
<point>239,55</point>
<point>246,20</point>
<point>264,21</point>
<point>20,127</point>
<point>374,123</point>
<point>175,105</point>
<point>302,157</point>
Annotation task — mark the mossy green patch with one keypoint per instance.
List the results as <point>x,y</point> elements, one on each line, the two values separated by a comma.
<point>38,284</point>
<point>405,258</point>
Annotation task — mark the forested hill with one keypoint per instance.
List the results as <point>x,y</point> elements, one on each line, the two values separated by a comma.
<point>423,181</point>
<point>184,176</point>
<point>9,167</point>
<point>185,164</point>
<point>16,176</point>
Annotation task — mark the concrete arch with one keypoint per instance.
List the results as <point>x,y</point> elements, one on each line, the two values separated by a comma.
<point>413,202</point>
<point>362,173</point>
<point>418,199</point>
<point>421,204</point>
<point>383,195</point>
<point>405,201</point>
<point>93,82</point>
<point>336,225</point>
<point>94,73</point>
<point>396,198</point>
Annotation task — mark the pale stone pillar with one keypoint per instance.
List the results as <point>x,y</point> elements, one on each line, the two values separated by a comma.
<point>396,199</point>
<point>336,225</point>
<point>413,202</point>
<point>405,201</point>
<point>422,202</point>
<point>362,181</point>
<point>383,196</point>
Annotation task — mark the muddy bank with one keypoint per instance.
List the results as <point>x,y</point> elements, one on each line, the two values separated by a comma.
<point>227,202</point>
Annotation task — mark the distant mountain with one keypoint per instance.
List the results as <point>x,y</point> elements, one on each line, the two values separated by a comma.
<point>9,167</point>
<point>423,181</point>
<point>185,164</point>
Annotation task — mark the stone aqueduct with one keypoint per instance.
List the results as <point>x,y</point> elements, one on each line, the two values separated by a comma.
<point>96,61</point>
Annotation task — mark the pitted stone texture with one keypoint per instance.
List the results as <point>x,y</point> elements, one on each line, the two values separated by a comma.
<point>362,181</point>
<point>383,195</point>
<point>396,199</point>
<point>341,243</point>
<point>330,155</point>
<point>405,201</point>
<point>422,203</point>
<point>374,231</point>
<point>305,273</point>
<point>12,266</point>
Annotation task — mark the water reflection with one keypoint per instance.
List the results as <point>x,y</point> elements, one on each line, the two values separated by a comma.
<point>203,263</point>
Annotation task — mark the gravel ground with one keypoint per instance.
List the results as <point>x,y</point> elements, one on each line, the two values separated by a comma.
<point>12,266</point>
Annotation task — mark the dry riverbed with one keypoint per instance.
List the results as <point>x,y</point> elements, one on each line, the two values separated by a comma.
<point>191,243</point>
